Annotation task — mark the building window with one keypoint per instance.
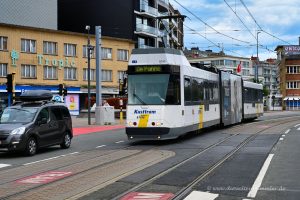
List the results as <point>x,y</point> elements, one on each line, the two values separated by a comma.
<point>106,75</point>
<point>50,72</point>
<point>3,70</point>
<point>28,46</point>
<point>85,52</point>
<point>122,54</point>
<point>3,43</point>
<point>70,73</point>
<point>106,53</point>
<point>293,69</point>
<point>292,85</point>
<point>28,71</point>
<point>70,49</point>
<point>50,48</point>
<point>92,75</point>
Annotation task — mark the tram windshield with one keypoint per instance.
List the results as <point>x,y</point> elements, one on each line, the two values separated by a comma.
<point>153,89</point>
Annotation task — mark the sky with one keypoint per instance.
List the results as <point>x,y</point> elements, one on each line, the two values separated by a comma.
<point>217,24</point>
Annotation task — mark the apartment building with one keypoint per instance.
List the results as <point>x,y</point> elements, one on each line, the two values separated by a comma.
<point>222,62</point>
<point>139,20</point>
<point>44,58</point>
<point>288,57</point>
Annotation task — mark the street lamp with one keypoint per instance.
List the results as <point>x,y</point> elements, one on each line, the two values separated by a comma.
<point>89,73</point>
<point>257,61</point>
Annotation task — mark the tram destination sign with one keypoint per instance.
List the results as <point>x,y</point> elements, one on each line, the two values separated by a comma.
<point>148,69</point>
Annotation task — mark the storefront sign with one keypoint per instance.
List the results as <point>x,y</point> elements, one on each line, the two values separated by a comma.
<point>14,57</point>
<point>45,61</point>
<point>53,62</point>
<point>292,50</point>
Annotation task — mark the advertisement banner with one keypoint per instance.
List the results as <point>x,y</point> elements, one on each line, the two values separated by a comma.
<point>72,102</point>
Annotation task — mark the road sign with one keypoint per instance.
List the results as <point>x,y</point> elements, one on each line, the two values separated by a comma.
<point>148,196</point>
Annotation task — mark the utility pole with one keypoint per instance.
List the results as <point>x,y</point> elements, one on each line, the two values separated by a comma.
<point>89,74</point>
<point>257,60</point>
<point>98,110</point>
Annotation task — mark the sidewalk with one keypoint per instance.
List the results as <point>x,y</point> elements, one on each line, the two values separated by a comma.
<point>80,126</point>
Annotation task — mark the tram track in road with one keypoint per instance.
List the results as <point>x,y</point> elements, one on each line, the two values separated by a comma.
<point>267,124</point>
<point>10,176</point>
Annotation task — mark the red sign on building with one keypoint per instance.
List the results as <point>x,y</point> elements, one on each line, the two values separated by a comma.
<point>148,196</point>
<point>44,177</point>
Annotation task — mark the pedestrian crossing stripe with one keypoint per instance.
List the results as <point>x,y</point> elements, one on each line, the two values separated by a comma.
<point>196,195</point>
<point>4,165</point>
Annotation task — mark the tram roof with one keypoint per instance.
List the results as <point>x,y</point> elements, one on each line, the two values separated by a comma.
<point>158,51</point>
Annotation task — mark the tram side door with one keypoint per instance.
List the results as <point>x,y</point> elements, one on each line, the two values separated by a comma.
<point>225,98</point>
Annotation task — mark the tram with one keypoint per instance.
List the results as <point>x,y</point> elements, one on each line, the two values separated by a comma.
<point>167,97</point>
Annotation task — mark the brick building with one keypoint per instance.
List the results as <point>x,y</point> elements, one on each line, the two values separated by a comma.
<point>289,64</point>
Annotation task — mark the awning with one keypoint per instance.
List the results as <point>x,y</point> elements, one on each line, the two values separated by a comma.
<point>291,98</point>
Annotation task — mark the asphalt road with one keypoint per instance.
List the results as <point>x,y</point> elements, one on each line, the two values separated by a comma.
<point>230,163</point>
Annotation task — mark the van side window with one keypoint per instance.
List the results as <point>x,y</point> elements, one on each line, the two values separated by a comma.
<point>56,114</point>
<point>44,113</point>
<point>65,112</point>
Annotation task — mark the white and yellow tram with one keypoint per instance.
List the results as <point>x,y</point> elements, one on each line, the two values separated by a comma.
<point>167,97</point>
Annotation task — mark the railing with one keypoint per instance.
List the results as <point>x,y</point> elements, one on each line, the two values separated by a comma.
<point>148,9</point>
<point>147,29</point>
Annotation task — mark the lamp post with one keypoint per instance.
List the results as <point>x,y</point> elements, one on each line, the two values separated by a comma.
<point>257,60</point>
<point>89,73</point>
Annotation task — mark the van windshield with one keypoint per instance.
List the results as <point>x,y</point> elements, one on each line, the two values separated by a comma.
<point>17,115</point>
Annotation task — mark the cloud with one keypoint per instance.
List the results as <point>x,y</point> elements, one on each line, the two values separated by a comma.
<point>279,18</point>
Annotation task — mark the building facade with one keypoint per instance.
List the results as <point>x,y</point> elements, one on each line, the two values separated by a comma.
<point>224,62</point>
<point>44,58</point>
<point>135,20</point>
<point>288,57</point>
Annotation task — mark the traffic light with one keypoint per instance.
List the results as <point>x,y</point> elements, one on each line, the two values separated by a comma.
<point>65,91</point>
<point>60,89</point>
<point>9,83</point>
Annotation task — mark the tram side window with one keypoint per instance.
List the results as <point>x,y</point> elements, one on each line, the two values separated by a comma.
<point>187,91</point>
<point>173,92</point>
<point>197,90</point>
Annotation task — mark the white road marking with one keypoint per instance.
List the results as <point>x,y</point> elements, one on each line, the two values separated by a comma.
<point>4,165</point>
<point>257,183</point>
<point>119,142</point>
<point>100,146</point>
<point>50,158</point>
<point>298,129</point>
<point>196,195</point>
<point>283,135</point>
<point>287,131</point>
<point>281,139</point>
<point>297,125</point>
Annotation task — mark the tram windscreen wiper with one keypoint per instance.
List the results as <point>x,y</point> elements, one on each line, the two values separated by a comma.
<point>136,96</point>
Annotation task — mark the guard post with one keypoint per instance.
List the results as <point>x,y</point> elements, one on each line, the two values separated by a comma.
<point>121,110</point>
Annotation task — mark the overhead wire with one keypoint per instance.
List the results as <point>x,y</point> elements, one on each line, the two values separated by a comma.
<point>208,24</point>
<point>239,19</point>
<point>261,29</point>
<point>217,45</point>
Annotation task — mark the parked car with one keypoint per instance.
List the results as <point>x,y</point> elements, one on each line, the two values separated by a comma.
<point>35,122</point>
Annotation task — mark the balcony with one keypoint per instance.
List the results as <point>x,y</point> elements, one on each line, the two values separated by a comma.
<point>148,11</point>
<point>147,31</point>
<point>164,3</point>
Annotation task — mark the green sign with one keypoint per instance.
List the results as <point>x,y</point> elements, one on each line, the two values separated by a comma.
<point>14,56</point>
<point>148,69</point>
<point>53,62</point>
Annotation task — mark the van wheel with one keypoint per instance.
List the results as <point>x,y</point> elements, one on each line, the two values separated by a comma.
<point>66,143</point>
<point>31,147</point>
